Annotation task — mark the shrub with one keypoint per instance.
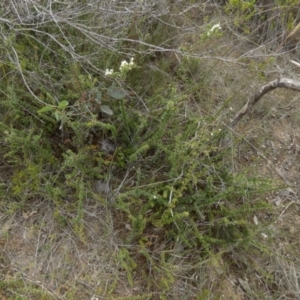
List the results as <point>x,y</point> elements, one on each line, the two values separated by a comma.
<point>171,181</point>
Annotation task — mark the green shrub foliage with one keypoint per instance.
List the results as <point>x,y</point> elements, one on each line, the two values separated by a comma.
<point>167,173</point>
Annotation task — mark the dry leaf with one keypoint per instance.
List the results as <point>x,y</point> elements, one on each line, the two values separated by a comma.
<point>25,215</point>
<point>255,220</point>
<point>245,285</point>
<point>127,226</point>
<point>28,215</point>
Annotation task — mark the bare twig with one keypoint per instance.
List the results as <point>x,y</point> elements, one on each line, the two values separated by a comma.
<point>285,209</point>
<point>278,83</point>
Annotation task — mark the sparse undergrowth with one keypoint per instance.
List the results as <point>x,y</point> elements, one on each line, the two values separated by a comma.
<point>114,184</point>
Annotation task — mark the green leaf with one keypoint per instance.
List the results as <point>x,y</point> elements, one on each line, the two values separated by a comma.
<point>57,115</point>
<point>106,109</point>
<point>98,96</point>
<point>116,92</point>
<point>44,109</point>
<point>63,104</point>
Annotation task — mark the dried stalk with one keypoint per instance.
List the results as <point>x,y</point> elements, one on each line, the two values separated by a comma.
<point>278,83</point>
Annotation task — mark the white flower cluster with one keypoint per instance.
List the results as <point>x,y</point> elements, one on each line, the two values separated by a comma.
<point>215,28</point>
<point>124,67</point>
<point>109,72</point>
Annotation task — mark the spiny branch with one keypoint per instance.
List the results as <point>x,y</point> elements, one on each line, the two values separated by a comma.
<point>278,83</point>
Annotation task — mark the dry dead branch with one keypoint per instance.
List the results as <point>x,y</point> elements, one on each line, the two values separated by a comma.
<point>278,83</point>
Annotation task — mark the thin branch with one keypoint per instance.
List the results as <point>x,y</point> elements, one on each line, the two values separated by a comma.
<point>278,83</point>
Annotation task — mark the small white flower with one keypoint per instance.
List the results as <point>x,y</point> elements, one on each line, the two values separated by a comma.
<point>108,72</point>
<point>123,64</point>
<point>154,197</point>
<point>216,27</point>
<point>126,66</point>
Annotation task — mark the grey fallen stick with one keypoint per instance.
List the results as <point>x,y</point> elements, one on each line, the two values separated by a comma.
<point>278,83</point>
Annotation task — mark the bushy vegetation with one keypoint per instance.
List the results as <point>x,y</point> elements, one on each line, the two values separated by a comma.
<point>109,106</point>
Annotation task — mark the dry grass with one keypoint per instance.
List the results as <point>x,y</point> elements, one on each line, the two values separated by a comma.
<point>42,251</point>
